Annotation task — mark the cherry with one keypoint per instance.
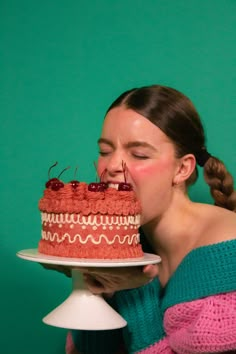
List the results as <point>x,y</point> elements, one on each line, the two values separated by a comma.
<point>56,184</point>
<point>97,187</point>
<point>123,186</point>
<point>104,185</point>
<point>74,184</point>
<point>50,182</point>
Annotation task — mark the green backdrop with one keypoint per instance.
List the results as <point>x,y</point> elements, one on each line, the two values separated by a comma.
<point>61,65</point>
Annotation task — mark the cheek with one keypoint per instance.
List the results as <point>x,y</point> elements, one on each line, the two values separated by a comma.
<point>145,172</point>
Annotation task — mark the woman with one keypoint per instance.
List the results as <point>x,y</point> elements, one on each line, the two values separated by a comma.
<point>186,304</point>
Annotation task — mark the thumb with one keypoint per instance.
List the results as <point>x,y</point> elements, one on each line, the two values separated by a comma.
<point>151,271</point>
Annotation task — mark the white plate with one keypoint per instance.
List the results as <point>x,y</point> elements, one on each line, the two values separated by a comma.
<point>34,256</point>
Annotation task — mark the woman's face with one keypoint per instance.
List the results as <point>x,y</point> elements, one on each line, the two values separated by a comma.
<point>128,137</point>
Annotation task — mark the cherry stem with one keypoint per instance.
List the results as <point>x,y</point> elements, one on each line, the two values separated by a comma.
<point>75,173</point>
<point>67,168</point>
<point>124,169</point>
<point>51,168</point>
<point>96,168</point>
<point>102,174</point>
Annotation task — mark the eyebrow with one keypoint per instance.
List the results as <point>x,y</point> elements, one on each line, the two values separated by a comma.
<point>136,143</point>
<point>105,141</point>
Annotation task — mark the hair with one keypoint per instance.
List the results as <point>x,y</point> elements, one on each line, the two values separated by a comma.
<point>176,116</point>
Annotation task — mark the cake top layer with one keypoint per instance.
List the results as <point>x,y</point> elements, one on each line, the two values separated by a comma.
<point>86,199</point>
<point>93,198</point>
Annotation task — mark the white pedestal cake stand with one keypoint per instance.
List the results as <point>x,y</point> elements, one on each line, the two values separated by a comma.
<point>83,310</point>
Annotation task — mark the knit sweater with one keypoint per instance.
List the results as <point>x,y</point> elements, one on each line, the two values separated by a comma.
<point>195,313</point>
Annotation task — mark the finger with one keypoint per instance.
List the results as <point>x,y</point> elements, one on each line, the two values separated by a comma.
<point>151,271</point>
<point>93,284</point>
<point>58,268</point>
<point>100,284</point>
<point>119,271</point>
<point>84,270</point>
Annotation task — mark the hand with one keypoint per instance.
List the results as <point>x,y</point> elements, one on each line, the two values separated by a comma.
<point>109,280</point>
<point>59,268</point>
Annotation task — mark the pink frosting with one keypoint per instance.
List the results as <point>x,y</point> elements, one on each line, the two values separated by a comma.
<point>80,200</point>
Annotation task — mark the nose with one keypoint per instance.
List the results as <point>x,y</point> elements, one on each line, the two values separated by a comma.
<point>115,164</point>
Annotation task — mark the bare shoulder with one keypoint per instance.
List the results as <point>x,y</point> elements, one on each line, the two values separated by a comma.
<point>219,225</point>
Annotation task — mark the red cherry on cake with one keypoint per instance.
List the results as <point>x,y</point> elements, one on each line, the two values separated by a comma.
<point>74,184</point>
<point>56,185</point>
<point>97,187</point>
<point>103,185</point>
<point>50,182</point>
<point>124,186</point>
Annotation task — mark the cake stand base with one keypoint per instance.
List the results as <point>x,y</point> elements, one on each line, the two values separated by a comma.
<point>83,310</point>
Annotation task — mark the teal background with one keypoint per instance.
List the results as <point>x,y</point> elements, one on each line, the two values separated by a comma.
<point>61,64</point>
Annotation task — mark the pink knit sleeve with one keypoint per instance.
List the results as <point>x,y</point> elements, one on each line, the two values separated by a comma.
<point>202,326</point>
<point>206,325</point>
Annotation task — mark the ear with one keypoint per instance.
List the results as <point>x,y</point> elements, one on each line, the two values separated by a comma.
<point>184,169</point>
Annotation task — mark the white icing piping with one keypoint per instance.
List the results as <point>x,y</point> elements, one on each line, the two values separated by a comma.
<point>93,220</point>
<point>48,236</point>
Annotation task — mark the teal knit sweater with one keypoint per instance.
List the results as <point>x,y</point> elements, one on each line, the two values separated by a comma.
<point>205,271</point>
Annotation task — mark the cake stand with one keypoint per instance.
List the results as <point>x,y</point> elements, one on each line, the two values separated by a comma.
<point>82,309</point>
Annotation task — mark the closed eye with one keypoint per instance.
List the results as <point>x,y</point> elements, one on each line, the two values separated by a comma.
<point>140,157</point>
<point>104,153</point>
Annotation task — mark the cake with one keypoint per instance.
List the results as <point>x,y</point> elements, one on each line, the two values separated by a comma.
<point>92,221</point>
